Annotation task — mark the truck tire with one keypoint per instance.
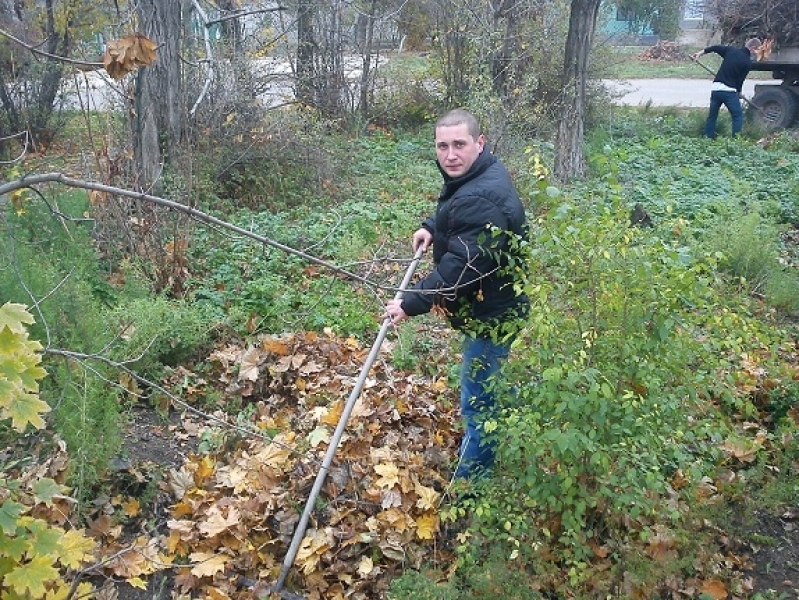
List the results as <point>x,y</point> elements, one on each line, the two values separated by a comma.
<point>774,108</point>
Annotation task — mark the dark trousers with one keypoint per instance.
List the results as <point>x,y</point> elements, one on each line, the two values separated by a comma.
<point>733,104</point>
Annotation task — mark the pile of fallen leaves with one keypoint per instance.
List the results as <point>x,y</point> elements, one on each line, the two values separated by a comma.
<point>232,513</point>
<point>665,51</point>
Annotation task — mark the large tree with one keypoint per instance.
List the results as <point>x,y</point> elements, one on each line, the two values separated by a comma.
<point>569,154</point>
<point>160,106</point>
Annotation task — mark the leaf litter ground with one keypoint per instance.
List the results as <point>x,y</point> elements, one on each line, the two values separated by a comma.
<point>204,504</point>
<point>231,512</point>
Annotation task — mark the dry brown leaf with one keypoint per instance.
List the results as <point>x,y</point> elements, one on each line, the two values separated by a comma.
<point>180,481</point>
<point>248,369</point>
<point>127,54</point>
<point>208,564</point>
<point>389,475</point>
<point>714,588</point>
<point>217,522</point>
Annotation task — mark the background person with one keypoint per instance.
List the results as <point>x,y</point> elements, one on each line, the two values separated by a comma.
<point>468,282</point>
<point>728,83</point>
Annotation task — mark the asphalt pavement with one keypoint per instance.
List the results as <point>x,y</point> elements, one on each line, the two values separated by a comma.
<point>98,91</point>
<point>669,92</point>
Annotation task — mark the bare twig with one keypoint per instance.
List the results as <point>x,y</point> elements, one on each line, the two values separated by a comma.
<point>209,75</point>
<point>81,64</point>
<point>243,13</point>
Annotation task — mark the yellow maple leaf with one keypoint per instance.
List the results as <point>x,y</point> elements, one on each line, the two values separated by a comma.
<point>333,415</point>
<point>131,507</point>
<point>76,549</point>
<point>31,577</point>
<point>426,526</point>
<point>389,475</point>
<point>205,468</point>
<point>208,564</point>
<point>315,543</point>
<point>428,497</point>
<point>137,582</point>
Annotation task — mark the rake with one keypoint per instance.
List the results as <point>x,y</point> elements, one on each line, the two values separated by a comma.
<point>302,526</point>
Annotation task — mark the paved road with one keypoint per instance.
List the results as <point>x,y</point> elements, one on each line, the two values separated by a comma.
<point>99,91</point>
<point>670,92</point>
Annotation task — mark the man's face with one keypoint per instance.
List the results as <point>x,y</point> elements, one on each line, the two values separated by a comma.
<point>456,149</point>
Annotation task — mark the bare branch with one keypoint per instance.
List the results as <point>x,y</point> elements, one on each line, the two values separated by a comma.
<point>242,13</point>
<point>24,149</point>
<point>30,181</point>
<point>80,64</point>
<point>209,76</point>
<point>83,359</point>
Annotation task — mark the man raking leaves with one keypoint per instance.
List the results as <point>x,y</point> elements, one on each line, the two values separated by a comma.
<point>728,83</point>
<point>472,233</point>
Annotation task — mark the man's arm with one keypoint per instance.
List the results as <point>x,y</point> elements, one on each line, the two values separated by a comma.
<point>720,50</point>
<point>465,260</point>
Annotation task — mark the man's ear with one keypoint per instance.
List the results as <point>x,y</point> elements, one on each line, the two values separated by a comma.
<point>481,141</point>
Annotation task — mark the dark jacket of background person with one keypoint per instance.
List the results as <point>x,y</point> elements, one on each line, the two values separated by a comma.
<point>465,248</point>
<point>735,66</point>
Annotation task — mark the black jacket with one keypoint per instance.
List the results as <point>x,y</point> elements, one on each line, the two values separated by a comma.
<point>469,281</point>
<point>735,66</point>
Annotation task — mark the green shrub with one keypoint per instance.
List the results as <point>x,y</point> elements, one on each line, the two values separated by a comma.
<point>748,246</point>
<point>52,268</point>
<point>150,333</point>
<point>609,365</point>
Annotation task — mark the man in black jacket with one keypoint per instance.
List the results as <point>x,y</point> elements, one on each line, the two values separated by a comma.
<point>728,84</point>
<point>478,215</point>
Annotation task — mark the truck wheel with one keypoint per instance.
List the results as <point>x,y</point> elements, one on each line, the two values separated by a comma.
<point>774,108</point>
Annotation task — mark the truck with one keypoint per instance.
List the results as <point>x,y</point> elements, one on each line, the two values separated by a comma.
<point>776,106</point>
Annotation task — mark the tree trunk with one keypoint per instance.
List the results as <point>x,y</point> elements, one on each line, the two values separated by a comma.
<point>305,52</point>
<point>367,73</point>
<point>569,155</point>
<point>232,31</point>
<point>158,126</point>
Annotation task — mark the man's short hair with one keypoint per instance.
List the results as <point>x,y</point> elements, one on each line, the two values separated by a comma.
<point>458,116</point>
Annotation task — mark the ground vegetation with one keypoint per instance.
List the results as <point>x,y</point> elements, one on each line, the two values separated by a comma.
<point>167,399</point>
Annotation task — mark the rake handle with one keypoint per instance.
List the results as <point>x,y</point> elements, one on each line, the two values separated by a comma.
<point>299,533</point>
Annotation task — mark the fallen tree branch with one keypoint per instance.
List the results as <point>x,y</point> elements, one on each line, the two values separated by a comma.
<point>31,181</point>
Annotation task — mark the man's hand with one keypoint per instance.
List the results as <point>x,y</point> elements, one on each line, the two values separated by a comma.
<point>696,55</point>
<point>422,239</point>
<point>394,312</point>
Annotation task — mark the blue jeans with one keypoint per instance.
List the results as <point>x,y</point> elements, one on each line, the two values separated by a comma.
<point>482,360</point>
<point>733,104</point>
